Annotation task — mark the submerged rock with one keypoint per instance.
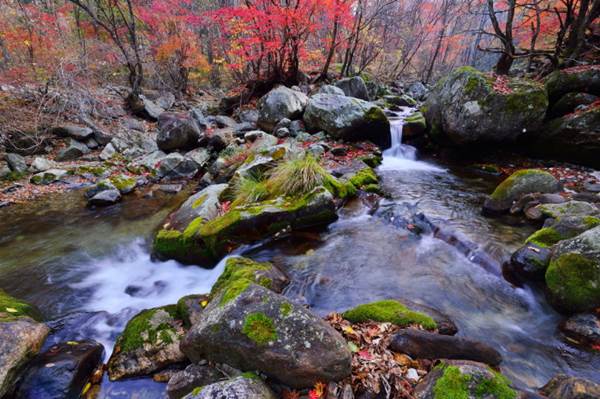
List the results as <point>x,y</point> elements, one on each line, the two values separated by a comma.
<point>252,328</point>
<point>348,118</point>
<point>61,372</point>
<point>464,379</point>
<point>149,342</point>
<point>565,387</point>
<point>21,337</point>
<point>280,103</point>
<point>194,376</point>
<point>426,345</point>
<point>466,107</point>
<point>354,87</point>
<point>520,183</point>
<point>583,329</point>
<point>243,387</point>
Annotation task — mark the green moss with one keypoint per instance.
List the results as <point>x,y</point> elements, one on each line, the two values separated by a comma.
<point>12,308</point>
<point>239,273</point>
<point>452,384</point>
<point>143,329</point>
<point>372,160</point>
<point>250,375</point>
<point>364,177</point>
<point>171,243</point>
<point>199,201</point>
<point>14,175</point>
<point>339,188</point>
<point>502,191</point>
<point>545,237</point>
<point>197,390</point>
<point>497,388</point>
<point>285,309</point>
<point>389,311</point>
<point>591,221</point>
<point>574,281</point>
<point>376,115</point>
<point>123,183</point>
<point>94,170</point>
<point>259,328</point>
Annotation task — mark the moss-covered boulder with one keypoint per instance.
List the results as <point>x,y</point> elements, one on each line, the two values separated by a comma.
<point>453,379</point>
<point>348,118</point>
<point>389,311</point>
<point>573,276</point>
<point>578,79</point>
<point>48,177</point>
<point>584,211</point>
<point>259,330</point>
<point>520,183</point>
<point>149,343</point>
<point>414,125</point>
<point>574,138</point>
<point>204,242</point>
<point>530,261</point>
<point>21,337</point>
<point>190,307</point>
<point>569,103</point>
<point>124,183</point>
<point>468,107</point>
<point>247,386</point>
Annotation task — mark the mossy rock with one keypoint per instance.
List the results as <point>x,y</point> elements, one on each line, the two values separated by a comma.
<point>389,311</point>
<point>461,379</point>
<point>125,184</point>
<point>545,237</point>
<point>149,342</point>
<point>561,82</point>
<point>573,276</point>
<point>569,209</point>
<point>12,309</point>
<point>247,386</point>
<point>414,125</point>
<point>190,307</point>
<point>570,102</point>
<point>240,272</point>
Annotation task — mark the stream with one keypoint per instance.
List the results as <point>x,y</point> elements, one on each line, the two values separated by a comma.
<point>90,271</point>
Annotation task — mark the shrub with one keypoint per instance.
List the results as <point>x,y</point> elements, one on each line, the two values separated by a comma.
<point>296,177</point>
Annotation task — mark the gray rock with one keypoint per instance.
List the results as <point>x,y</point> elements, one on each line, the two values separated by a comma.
<point>165,100</point>
<point>354,87</point>
<point>570,102</point>
<point>75,150</point>
<point>177,131</point>
<point>237,388</point>
<point>105,198</point>
<point>101,137</point>
<point>204,204</point>
<point>92,144</point>
<point>417,90</point>
<point>280,103</point>
<point>16,162</point>
<point>61,372</point>
<point>151,162</point>
<point>200,155</point>
<point>569,209</point>
<point>316,150</point>
<point>142,351</point>
<point>282,132</point>
<point>582,329</point>
<point>565,387</point>
<point>170,188</point>
<point>249,116</point>
<point>261,330</point>
<point>108,152</point>
<point>20,340</point>
<point>330,89</point>
<point>47,177</point>
<point>102,185</point>
<point>427,345</point>
<point>400,101</point>
<point>260,140</point>
<point>145,108</point>
<point>4,170</point>
<point>176,166</point>
<point>194,376</point>
<point>222,121</point>
<point>296,127</point>
<point>80,133</point>
<point>530,262</point>
<point>348,119</point>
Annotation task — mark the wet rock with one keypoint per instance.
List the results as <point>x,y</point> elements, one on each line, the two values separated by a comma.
<point>243,387</point>
<point>170,188</point>
<point>354,87</point>
<point>280,103</point>
<point>426,345</point>
<point>203,205</point>
<point>573,276</point>
<point>565,387</point>
<point>530,262</point>
<point>253,328</point>
<point>61,372</point>
<point>190,308</point>
<point>149,343</point>
<point>330,89</point>
<point>444,324</point>
<point>466,109</point>
<point>74,150</point>
<point>583,329</point>
<point>80,133</point>
<point>400,101</point>
<point>348,119</point>
<point>414,125</point>
<point>41,164</point>
<point>176,166</point>
<point>21,337</point>
<point>520,183</point>
<point>105,198</point>
<point>389,311</point>
<point>102,185</point>
<point>194,376</point>
<point>47,177</point>
<point>16,163</point>
<point>464,379</point>
<point>177,131</point>
<point>205,243</point>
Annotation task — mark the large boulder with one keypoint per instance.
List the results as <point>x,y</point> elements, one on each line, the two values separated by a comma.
<point>242,387</point>
<point>61,372</point>
<point>468,107</point>
<point>279,103</point>
<point>149,343</point>
<point>354,87</point>
<point>177,131</point>
<point>21,337</point>
<point>574,138</point>
<point>205,242</point>
<point>565,387</point>
<point>573,276</point>
<point>571,102</point>
<point>348,119</point>
<point>330,89</point>
<point>417,90</point>
<point>584,79</point>
<point>252,328</point>
<point>204,204</point>
<point>81,133</point>
<point>520,183</point>
<point>194,376</point>
<point>466,380</point>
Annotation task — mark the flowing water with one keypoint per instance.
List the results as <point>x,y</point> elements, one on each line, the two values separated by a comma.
<point>90,270</point>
